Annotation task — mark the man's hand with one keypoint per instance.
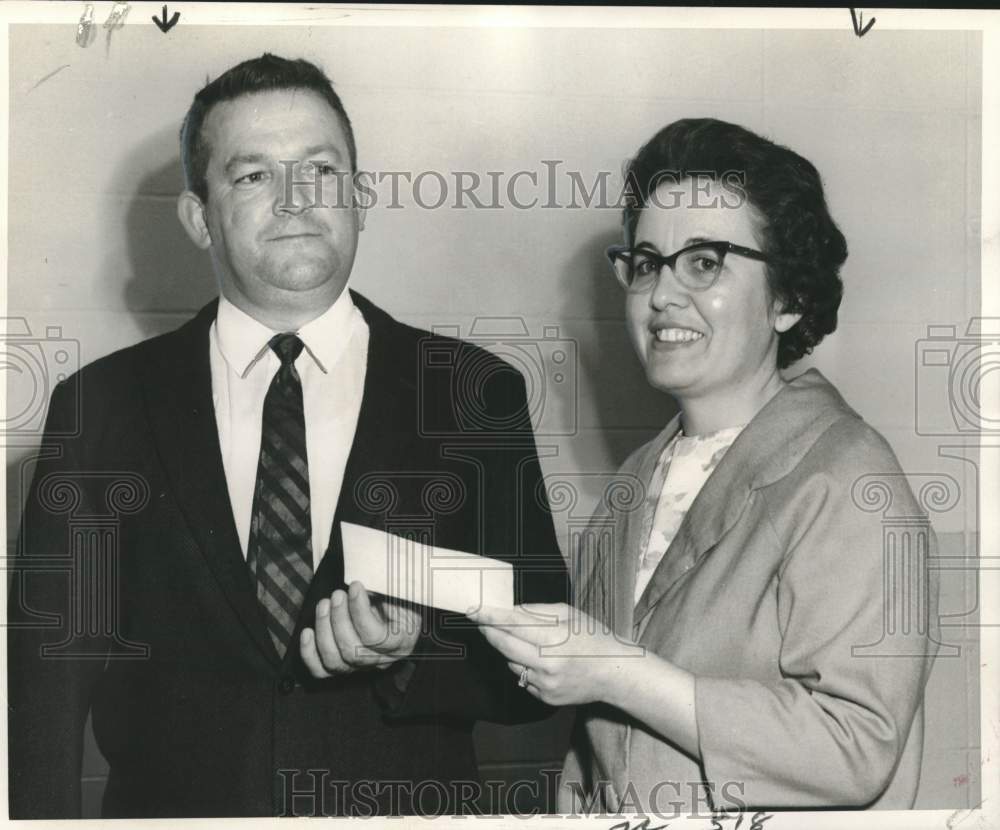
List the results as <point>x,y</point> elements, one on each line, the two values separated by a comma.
<point>351,633</point>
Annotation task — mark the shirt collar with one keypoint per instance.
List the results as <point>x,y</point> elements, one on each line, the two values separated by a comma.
<point>243,340</point>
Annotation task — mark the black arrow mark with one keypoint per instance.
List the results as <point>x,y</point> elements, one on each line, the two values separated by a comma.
<point>859,30</point>
<point>166,25</point>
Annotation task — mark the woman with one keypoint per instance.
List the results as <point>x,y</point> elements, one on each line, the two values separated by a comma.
<point>718,650</point>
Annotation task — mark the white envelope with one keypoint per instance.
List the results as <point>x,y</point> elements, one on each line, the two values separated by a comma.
<point>402,568</point>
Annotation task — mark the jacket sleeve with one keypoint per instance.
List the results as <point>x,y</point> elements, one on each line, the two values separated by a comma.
<point>575,783</point>
<point>834,727</point>
<point>477,684</point>
<point>49,692</point>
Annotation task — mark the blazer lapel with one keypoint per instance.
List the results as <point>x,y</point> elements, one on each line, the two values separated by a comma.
<point>635,532</point>
<point>714,511</point>
<point>178,389</point>
<point>759,455</point>
<point>609,731</point>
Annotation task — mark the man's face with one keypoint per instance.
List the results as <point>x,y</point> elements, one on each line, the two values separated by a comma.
<point>276,247</point>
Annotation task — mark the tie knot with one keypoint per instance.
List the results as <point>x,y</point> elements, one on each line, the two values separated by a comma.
<point>287,347</point>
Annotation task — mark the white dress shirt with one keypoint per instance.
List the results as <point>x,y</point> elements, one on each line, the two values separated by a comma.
<point>332,369</point>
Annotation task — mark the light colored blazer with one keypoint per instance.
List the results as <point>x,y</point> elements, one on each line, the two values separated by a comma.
<point>803,615</point>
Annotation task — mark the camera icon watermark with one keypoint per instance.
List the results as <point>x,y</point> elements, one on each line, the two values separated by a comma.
<point>955,377</point>
<point>466,391</point>
<point>34,364</point>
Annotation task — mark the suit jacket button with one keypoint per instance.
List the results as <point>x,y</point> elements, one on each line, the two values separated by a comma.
<point>286,685</point>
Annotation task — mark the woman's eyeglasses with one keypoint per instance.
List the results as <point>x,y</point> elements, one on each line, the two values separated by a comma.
<point>696,267</point>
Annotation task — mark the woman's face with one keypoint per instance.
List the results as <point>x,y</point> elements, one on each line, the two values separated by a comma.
<point>715,342</point>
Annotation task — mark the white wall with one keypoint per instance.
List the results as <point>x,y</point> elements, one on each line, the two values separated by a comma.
<point>892,121</point>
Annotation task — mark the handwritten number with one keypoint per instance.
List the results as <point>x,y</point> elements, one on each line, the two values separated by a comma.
<point>756,823</point>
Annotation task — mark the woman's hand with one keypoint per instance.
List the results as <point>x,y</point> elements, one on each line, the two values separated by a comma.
<point>570,657</point>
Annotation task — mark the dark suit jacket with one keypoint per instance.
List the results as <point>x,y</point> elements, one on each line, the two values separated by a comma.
<point>132,599</point>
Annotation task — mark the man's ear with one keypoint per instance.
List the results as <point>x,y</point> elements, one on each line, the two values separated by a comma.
<point>191,212</point>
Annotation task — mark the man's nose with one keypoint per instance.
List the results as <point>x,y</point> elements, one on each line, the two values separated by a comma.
<point>297,192</point>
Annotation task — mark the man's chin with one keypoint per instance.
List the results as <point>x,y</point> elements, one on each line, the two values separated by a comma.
<point>305,276</point>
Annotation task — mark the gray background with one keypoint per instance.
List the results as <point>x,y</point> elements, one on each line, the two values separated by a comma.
<point>892,121</point>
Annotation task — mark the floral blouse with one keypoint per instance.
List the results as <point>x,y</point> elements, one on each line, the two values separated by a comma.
<point>682,470</point>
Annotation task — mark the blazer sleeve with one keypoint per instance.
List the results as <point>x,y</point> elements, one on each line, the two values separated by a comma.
<point>49,695</point>
<point>834,727</point>
<point>575,782</point>
<point>478,685</point>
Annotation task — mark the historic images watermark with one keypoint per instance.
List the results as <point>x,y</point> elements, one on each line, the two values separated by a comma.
<point>84,569</point>
<point>549,186</point>
<point>952,370</point>
<point>956,399</point>
<point>907,563</point>
<point>410,507</point>
<point>953,376</point>
<point>90,504</point>
<point>32,364</point>
<point>310,792</point>
<point>477,399</point>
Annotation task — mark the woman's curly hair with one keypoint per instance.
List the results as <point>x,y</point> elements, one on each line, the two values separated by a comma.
<point>804,247</point>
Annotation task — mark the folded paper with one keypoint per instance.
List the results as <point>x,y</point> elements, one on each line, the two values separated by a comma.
<point>403,568</point>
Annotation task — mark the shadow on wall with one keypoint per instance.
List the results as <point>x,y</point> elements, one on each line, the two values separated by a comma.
<point>163,276</point>
<point>167,273</point>
<point>614,397</point>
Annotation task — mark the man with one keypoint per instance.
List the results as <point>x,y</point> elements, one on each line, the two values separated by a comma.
<point>231,671</point>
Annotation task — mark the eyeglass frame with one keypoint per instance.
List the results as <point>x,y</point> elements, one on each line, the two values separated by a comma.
<point>721,248</point>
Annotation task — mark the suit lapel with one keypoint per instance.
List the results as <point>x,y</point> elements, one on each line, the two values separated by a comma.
<point>386,424</point>
<point>178,390</point>
<point>385,430</point>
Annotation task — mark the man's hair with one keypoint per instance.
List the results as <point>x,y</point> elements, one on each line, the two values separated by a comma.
<point>264,74</point>
<point>804,247</point>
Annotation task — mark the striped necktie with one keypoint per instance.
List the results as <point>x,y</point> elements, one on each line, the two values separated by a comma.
<point>280,548</point>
